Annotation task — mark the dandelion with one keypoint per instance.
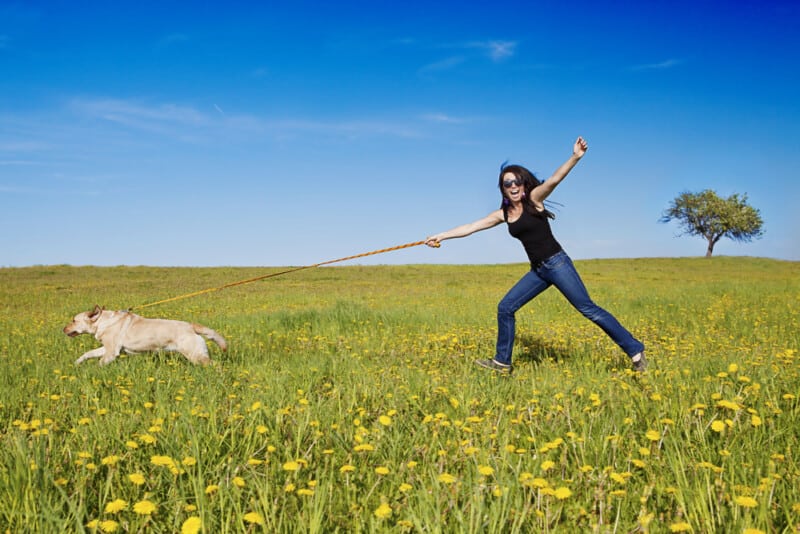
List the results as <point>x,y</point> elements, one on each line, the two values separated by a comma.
<point>547,465</point>
<point>755,420</point>
<point>291,466</point>
<point>383,511</point>
<point>563,493</point>
<point>115,506</point>
<point>136,478</point>
<point>347,468</point>
<point>728,405</point>
<point>382,470</point>
<point>131,444</point>
<point>485,470</point>
<point>192,525</point>
<point>405,487</point>
<point>211,488</point>
<point>189,461</point>
<point>254,518</point>
<point>718,426</point>
<point>365,447</point>
<point>144,507</point>
<point>753,531</point>
<point>108,526</point>
<point>307,492</point>
<point>746,502</point>
<point>261,429</point>
<point>163,461</point>
<point>446,478</point>
<point>680,527</point>
<point>653,435</point>
<point>385,420</point>
<point>110,460</point>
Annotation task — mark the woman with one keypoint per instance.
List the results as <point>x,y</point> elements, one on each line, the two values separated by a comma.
<point>524,211</point>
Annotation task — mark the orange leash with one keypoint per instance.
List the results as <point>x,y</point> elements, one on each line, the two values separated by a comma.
<point>271,275</point>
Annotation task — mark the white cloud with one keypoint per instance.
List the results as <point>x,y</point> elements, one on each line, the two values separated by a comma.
<point>442,118</point>
<point>444,64</point>
<point>667,64</point>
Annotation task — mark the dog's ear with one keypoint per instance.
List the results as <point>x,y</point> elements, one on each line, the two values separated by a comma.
<point>95,313</point>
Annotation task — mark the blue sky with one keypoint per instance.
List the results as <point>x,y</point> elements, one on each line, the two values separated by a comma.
<point>290,133</point>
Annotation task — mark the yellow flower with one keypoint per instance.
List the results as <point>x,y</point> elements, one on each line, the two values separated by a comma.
<point>131,444</point>
<point>291,466</point>
<point>253,518</point>
<point>211,488</point>
<point>238,482</point>
<point>347,468</point>
<point>383,511</point>
<point>189,461</point>
<point>110,460</point>
<point>305,491</point>
<point>746,502</point>
<point>162,461</point>
<point>382,470</point>
<point>192,525</point>
<point>717,426</point>
<point>405,487</point>
<point>136,478</point>
<point>364,447</point>
<point>385,420</point>
<point>653,435</point>
<point>563,493</point>
<point>109,526</point>
<point>115,506</point>
<point>753,531</point>
<point>485,470</point>
<point>680,527</point>
<point>547,465</point>
<point>755,420</point>
<point>446,478</point>
<point>144,507</point>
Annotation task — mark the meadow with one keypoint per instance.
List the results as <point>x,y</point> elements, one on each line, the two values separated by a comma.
<point>348,401</point>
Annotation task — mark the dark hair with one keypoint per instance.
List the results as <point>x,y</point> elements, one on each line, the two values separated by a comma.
<point>529,181</point>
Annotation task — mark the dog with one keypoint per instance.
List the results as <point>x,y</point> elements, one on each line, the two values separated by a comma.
<point>120,331</point>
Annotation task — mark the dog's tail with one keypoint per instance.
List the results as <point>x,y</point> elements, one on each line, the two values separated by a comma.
<point>210,334</point>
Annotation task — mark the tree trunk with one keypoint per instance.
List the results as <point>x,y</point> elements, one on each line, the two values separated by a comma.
<point>710,249</point>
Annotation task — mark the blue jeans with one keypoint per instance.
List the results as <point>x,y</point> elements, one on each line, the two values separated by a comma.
<point>557,270</point>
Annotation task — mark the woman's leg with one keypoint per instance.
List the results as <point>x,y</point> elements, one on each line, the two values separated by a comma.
<point>523,292</point>
<point>559,271</point>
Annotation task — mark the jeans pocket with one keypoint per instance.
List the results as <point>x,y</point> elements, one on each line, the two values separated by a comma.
<point>556,261</point>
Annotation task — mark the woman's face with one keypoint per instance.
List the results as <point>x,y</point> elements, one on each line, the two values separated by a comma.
<point>512,187</point>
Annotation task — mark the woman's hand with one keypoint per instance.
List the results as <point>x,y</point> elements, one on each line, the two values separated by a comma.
<point>580,148</point>
<point>433,241</point>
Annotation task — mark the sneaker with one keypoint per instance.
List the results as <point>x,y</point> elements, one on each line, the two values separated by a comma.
<point>640,365</point>
<point>494,366</point>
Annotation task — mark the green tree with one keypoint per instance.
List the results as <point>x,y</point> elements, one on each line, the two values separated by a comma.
<point>712,217</point>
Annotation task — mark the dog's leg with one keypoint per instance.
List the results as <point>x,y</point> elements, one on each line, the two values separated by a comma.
<point>110,354</point>
<point>198,353</point>
<point>96,353</point>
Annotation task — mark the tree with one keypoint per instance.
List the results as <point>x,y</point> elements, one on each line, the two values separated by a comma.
<point>708,215</point>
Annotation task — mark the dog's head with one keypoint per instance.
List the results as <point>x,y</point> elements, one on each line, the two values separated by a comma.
<point>84,323</point>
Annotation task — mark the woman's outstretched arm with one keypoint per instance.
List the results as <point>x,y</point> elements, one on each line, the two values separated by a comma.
<point>543,190</point>
<point>491,220</point>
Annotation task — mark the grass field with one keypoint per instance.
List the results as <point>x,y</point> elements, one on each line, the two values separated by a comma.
<point>348,401</point>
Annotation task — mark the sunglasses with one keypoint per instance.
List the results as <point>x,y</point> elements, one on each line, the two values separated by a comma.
<point>510,183</point>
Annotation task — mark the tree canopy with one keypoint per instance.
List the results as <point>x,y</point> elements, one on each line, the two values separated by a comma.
<point>712,217</point>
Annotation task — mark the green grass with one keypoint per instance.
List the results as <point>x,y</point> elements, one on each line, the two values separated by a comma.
<point>348,402</point>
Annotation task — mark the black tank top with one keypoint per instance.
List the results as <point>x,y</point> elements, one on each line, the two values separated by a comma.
<point>535,234</point>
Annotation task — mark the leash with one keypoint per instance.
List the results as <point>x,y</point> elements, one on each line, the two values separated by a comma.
<point>272,275</point>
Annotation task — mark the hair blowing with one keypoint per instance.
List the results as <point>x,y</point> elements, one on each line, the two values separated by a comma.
<point>529,181</point>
